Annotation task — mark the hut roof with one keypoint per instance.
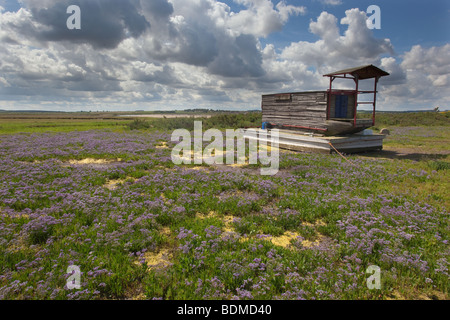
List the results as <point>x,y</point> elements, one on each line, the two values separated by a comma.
<point>363,72</point>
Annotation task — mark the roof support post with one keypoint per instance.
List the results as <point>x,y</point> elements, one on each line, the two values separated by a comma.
<point>356,99</point>
<point>375,99</point>
<point>329,98</point>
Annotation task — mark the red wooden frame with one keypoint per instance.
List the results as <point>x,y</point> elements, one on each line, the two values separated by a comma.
<point>356,92</point>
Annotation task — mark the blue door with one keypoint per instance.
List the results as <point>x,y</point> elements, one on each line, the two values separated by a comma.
<point>341,106</point>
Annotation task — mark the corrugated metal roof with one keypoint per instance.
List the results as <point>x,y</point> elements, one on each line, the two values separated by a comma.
<point>363,72</point>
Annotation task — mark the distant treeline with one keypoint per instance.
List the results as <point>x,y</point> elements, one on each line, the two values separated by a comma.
<point>221,121</point>
<point>254,120</point>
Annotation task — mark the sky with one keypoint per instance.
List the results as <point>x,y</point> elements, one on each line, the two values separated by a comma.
<point>159,55</point>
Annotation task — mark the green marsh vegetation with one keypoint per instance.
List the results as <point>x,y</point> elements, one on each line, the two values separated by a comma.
<point>97,194</point>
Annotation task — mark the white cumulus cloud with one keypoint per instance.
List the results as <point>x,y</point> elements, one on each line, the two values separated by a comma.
<point>195,53</point>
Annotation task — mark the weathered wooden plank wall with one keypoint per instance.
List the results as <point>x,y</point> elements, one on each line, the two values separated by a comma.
<point>307,109</point>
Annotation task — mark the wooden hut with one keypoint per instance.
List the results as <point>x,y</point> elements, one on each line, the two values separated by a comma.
<point>331,113</point>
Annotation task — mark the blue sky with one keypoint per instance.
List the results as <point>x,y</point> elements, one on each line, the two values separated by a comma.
<point>405,22</point>
<point>177,54</point>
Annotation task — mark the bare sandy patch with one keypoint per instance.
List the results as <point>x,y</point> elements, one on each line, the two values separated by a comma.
<point>93,161</point>
<point>159,167</point>
<point>396,296</point>
<point>211,214</point>
<point>26,216</point>
<point>166,231</point>
<point>284,240</point>
<point>228,221</point>
<point>112,184</point>
<point>413,295</point>
<point>139,297</point>
<point>214,157</point>
<point>17,245</point>
<point>188,156</point>
<point>310,244</point>
<point>238,165</point>
<point>318,223</point>
<point>162,145</point>
<point>281,241</point>
<point>243,239</point>
<point>200,168</point>
<point>158,260</point>
<point>439,295</point>
<point>164,199</point>
<point>206,157</point>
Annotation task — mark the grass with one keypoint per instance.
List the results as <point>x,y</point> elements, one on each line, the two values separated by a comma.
<point>11,126</point>
<point>186,232</point>
<point>428,139</point>
<point>67,122</point>
<point>412,119</point>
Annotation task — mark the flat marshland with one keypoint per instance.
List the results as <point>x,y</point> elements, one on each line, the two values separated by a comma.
<point>100,191</point>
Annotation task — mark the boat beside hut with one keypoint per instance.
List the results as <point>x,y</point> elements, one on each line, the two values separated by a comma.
<point>332,112</point>
<point>323,121</point>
